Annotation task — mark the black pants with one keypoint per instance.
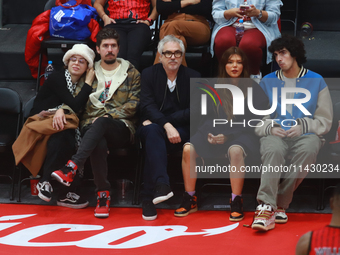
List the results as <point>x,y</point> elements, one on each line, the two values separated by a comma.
<point>156,145</point>
<point>134,39</point>
<point>104,133</point>
<point>60,147</point>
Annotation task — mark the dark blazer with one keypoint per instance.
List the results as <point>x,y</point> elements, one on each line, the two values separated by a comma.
<point>153,92</point>
<point>54,92</point>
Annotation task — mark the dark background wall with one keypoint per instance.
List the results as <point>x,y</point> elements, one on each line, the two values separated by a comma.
<point>324,15</point>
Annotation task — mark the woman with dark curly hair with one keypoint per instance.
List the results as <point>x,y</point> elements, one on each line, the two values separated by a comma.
<point>234,142</point>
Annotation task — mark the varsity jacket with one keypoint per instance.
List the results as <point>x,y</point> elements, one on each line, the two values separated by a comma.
<point>319,105</point>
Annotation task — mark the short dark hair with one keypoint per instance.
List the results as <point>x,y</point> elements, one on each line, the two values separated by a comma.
<point>107,33</point>
<point>294,45</point>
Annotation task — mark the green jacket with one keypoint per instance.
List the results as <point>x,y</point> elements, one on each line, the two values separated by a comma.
<point>123,98</point>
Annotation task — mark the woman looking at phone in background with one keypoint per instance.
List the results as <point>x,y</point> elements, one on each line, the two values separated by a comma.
<point>260,23</point>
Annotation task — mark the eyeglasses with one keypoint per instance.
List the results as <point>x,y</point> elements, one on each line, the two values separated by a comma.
<point>80,60</point>
<point>177,54</point>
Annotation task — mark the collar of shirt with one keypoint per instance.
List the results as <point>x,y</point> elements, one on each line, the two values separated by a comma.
<point>172,85</point>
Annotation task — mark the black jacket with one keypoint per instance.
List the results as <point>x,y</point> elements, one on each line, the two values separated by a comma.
<point>153,92</point>
<point>54,92</point>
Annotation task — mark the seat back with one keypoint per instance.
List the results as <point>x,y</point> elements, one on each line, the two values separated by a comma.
<point>27,109</point>
<point>10,113</point>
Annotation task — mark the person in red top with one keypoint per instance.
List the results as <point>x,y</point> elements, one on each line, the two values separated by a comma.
<point>131,19</point>
<point>327,239</point>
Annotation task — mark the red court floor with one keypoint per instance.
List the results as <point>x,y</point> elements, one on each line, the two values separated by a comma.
<point>36,229</point>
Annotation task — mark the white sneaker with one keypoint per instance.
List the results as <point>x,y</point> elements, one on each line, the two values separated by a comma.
<point>264,219</point>
<point>45,191</point>
<point>280,215</point>
<point>256,77</point>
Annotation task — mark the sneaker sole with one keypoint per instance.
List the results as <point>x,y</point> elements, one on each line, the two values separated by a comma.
<point>59,179</point>
<point>161,199</point>
<point>237,219</point>
<point>73,206</point>
<point>262,228</point>
<point>281,221</point>
<point>42,197</point>
<point>149,217</point>
<point>187,213</point>
<point>101,215</point>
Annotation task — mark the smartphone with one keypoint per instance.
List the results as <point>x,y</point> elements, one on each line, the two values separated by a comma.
<point>244,7</point>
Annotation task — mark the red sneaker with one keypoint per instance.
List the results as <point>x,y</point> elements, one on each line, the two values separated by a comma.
<point>103,204</point>
<point>66,174</point>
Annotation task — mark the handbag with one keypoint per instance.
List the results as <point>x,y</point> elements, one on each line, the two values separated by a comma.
<point>70,20</point>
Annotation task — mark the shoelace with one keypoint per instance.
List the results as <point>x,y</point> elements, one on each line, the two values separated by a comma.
<point>102,202</point>
<point>280,210</point>
<point>263,214</point>
<point>47,186</point>
<point>72,195</point>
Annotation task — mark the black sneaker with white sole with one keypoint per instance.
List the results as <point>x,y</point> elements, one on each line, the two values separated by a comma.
<point>162,192</point>
<point>72,200</point>
<point>45,191</point>
<point>149,210</point>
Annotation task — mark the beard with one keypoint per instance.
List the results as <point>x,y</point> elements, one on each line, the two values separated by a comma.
<point>110,62</point>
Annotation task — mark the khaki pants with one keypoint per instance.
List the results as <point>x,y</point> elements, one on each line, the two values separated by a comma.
<point>191,29</point>
<point>303,151</point>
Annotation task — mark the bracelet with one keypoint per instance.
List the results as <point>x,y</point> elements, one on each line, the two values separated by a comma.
<point>150,21</point>
<point>103,15</point>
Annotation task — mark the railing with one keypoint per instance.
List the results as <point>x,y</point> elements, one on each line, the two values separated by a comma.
<point>0,14</point>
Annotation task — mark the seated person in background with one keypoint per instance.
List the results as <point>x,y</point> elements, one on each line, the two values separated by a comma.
<point>109,118</point>
<point>187,20</point>
<point>71,86</point>
<point>131,20</point>
<point>292,132</point>
<point>260,24</point>
<point>325,240</point>
<point>234,142</point>
<point>165,101</point>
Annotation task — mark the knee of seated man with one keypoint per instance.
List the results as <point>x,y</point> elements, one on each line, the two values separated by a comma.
<point>272,149</point>
<point>305,150</point>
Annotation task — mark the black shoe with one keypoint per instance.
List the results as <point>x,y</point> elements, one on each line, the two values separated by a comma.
<point>149,210</point>
<point>162,193</point>
<point>45,191</point>
<point>72,200</point>
<point>236,209</point>
<point>188,205</point>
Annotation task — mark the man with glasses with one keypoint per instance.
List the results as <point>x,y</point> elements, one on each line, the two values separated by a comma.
<point>165,100</point>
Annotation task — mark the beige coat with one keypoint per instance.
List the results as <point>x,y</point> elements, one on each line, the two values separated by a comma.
<point>30,146</point>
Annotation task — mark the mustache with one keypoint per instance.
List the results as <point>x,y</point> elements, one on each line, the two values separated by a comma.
<point>109,54</point>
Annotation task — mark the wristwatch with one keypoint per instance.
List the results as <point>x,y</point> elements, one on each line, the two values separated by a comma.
<point>260,15</point>
<point>150,21</point>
